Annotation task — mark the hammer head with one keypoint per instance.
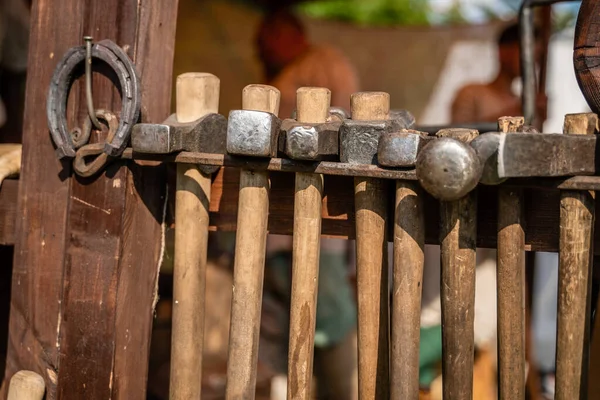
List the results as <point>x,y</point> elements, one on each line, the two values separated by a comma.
<point>400,149</point>
<point>359,140</point>
<point>204,135</point>
<point>448,169</point>
<point>252,133</point>
<point>486,146</point>
<point>311,142</point>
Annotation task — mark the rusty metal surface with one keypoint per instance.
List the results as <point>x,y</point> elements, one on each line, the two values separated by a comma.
<point>309,142</point>
<point>253,133</point>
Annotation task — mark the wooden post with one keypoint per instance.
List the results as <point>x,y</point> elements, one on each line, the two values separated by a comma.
<point>87,250</point>
<point>26,385</point>
<point>249,265</point>
<point>197,96</point>
<point>409,259</point>
<point>370,199</point>
<point>574,278</point>
<point>312,107</point>
<point>511,284</point>
<point>458,234</point>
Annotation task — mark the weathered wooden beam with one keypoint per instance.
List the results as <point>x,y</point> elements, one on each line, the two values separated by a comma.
<point>8,211</point>
<point>541,210</point>
<point>87,251</point>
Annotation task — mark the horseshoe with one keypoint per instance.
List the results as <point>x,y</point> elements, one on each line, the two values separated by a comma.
<point>586,52</point>
<point>64,76</point>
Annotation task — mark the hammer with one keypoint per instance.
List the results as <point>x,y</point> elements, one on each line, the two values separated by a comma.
<point>251,131</point>
<point>26,385</point>
<point>511,284</point>
<point>449,169</point>
<point>312,107</point>
<point>370,197</point>
<point>197,95</point>
<point>401,149</point>
<point>577,213</point>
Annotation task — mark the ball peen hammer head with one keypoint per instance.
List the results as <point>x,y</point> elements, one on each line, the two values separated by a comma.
<point>448,169</point>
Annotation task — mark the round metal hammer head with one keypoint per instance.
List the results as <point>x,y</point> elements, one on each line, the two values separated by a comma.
<point>448,169</point>
<point>486,146</point>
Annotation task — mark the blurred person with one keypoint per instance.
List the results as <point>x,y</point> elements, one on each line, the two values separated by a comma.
<point>490,101</point>
<point>290,61</point>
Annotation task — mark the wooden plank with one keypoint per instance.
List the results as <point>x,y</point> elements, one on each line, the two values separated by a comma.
<point>8,211</point>
<point>144,206</point>
<point>541,211</point>
<point>90,337</point>
<point>43,201</point>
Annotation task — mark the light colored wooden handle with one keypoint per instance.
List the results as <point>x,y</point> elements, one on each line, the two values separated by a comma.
<point>249,263</point>
<point>370,106</point>
<point>312,107</point>
<point>197,96</point>
<point>370,202</point>
<point>577,211</point>
<point>511,284</point>
<point>261,98</point>
<point>26,385</point>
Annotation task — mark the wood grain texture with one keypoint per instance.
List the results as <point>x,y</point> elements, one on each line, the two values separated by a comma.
<point>511,284</point>
<point>371,210</point>
<point>312,107</point>
<point>26,385</point>
<point>97,236</point>
<point>249,264</point>
<point>197,95</point>
<point>541,213</point>
<point>586,51</point>
<point>577,213</point>
<point>409,261</point>
<point>457,235</point>
<point>8,211</point>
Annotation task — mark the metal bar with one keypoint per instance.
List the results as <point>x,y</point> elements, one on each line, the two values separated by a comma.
<point>527,53</point>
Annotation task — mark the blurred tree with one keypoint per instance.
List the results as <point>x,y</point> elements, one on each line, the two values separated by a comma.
<point>372,12</point>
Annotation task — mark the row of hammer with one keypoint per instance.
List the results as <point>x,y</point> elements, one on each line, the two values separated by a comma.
<point>388,354</point>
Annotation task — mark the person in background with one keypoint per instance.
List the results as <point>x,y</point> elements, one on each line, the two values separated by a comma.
<point>290,61</point>
<point>490,101</point>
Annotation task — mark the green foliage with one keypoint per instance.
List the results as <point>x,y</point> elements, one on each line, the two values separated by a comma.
<point>370,12</point>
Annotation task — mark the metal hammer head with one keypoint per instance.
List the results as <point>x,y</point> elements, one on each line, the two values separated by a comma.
<point>252,133</point>
<point>400,149</point>
<point>359,140</point>
<point>448,169</point>
<point>311,142</point>
<point>486,146</point>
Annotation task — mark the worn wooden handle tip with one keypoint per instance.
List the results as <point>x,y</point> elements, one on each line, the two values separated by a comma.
<point>370,106</point>
<point>312,104</point>
<point>26,385</point>
<point>261,98</point>
<point>197,95</point>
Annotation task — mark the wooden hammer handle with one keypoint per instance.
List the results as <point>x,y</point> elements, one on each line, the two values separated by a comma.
<point>312,107</point>
<point>370,197</point>
<point>197,95</point>
<point>577,211</point>
<point>249,264</point>
<point>409,261</point>
<point>26,385</point>
<point>511,284</point>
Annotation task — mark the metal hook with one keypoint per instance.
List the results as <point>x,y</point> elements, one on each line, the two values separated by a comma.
<point>88,82</point>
